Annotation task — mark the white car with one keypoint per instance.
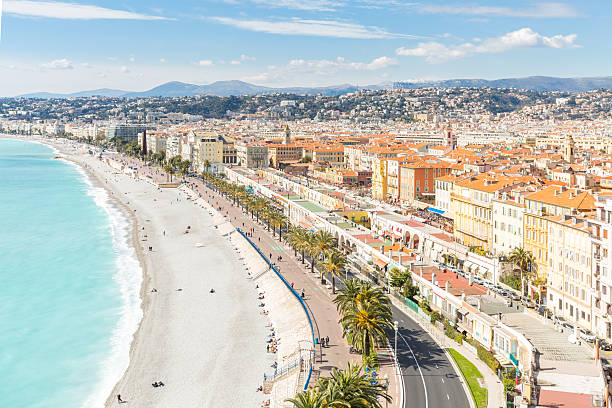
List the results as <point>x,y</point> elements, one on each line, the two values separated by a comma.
<point>587,336</point>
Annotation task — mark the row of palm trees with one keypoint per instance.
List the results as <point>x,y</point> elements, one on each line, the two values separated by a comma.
<point>365,310</point>
<point>176,165</point>
<point>350,388</point>
<point>318,246</point>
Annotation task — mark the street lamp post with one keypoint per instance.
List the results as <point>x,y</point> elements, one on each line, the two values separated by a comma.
<point>395,328</point>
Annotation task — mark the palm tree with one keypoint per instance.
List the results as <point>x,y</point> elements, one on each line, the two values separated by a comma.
<point>321,243</point>
<point>365,325</point>
<point>346,299</point>
<point>259,206</point>
<point>277,219</point>
<point>294,238</point>
<point>334,264</point>
<point>523,259</point>
<point>310,398</point>
<point>206,165</point>
<point>302,243</point>
<point>169,169</point>
<point>351,388</point>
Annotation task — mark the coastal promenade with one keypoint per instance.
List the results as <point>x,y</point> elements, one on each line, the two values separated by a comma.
<point>318,297</point>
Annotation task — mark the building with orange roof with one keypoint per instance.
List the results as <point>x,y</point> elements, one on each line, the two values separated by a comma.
<point>417,180</point>
<point>278,153</point>
<point>550,201</point>
<point>471,201</point>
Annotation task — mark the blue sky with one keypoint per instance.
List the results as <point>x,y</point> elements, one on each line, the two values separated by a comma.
<point>88,44</point>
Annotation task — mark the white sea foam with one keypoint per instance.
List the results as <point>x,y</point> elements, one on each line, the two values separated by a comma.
<point>128,276</point>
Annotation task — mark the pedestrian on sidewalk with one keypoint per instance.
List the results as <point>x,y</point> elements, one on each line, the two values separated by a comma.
<point>327,341</point>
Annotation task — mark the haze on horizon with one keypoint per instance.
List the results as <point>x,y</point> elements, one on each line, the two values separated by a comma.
<point>73,46</point>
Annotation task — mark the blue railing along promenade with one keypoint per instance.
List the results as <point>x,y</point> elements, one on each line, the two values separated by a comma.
<point>297,296</point>
<point>284,369</point>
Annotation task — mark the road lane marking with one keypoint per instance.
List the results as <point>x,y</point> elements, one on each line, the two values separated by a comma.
<point>447,397</point>
<point>442,380</point>
<point>419,367</point>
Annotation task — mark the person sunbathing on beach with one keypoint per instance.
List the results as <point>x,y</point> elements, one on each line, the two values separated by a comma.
<point>212,291</point>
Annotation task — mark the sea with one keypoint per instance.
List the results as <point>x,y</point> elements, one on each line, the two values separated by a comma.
<point>69,283</point>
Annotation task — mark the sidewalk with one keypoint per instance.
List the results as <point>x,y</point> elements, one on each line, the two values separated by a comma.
<point>495,389</point>
<point>318,297</point>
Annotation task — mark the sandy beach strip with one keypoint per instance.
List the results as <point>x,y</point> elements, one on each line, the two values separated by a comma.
<point>207,348</point>
<point>288,320</point>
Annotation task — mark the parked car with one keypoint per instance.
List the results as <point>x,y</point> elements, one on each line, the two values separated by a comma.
<point>604,345</point>
<point>587,335</point>
<point>528,303</point>
<point>514,296</point>
<point>568,325</point>
<point>507,302</point>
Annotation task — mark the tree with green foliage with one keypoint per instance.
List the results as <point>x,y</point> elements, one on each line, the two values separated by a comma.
<point>525,261</point>
<point>334,264</point>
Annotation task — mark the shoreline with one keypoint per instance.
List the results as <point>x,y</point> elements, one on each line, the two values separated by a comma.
<point>131,378</point>
<point>123,227</point>
<point>248,336</point>
<point>132,242</point>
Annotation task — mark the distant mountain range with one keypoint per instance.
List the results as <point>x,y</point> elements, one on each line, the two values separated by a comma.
<point>228,88</point>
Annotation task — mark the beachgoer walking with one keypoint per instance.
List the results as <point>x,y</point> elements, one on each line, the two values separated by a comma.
<point>327,341</point>
<point>302,293</point>
<point>119,400</point>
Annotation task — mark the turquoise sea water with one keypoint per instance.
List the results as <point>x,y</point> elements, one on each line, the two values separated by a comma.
<point>69,283</point>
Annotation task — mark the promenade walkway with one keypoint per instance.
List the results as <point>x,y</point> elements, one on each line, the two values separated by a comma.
<point>318,297</point>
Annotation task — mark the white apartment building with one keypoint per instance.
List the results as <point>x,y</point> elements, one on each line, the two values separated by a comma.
<point>251,155</point>
<point>443,189</point>
<point>173,146</point>
<point>569,270</point>
<point>507,226</point>
<point>484,138</point>
<point>601,239</point>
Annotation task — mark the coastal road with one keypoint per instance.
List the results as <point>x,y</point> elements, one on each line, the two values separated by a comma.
<point>430,380</point>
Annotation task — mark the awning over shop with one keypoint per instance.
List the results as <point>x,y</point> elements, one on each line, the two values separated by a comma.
<point>436,211</point>
<point>463,311</point>
<point>467,265</point>
<point>474,267</point>
<point>380,263</point>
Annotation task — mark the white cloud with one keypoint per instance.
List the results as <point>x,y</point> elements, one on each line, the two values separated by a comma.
<point>435,52</point>
<point>162,60</point>
<point>132,59</point>
<point>318,28</point>
<point>205,63</point>
<point>234,62</point>
<point>62,63</point>
<point>71,11</point>
<point>245,57</point>
<point>85,65</point>
<point>125,70</point>
<point>301,67</point>
<point>538,10</point>
<point>306,5</point>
